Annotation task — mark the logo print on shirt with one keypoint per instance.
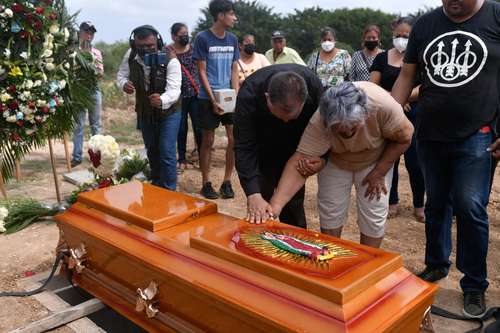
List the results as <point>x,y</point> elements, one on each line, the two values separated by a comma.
<point>454,58</point>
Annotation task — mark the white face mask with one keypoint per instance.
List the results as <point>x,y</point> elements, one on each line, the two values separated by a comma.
<point>327,46</point>
<point>400,43</point>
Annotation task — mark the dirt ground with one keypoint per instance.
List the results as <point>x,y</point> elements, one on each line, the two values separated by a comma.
<point>31,250</point>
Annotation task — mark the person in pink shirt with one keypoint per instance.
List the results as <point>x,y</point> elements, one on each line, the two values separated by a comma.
<point>86,35</point>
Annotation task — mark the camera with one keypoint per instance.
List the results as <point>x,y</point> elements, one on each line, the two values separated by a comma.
<point>155,58</point>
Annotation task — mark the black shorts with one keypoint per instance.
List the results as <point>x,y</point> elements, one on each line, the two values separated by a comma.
<point>209,120</point>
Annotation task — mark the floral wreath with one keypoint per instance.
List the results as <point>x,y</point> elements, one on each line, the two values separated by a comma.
<point>44,79</point>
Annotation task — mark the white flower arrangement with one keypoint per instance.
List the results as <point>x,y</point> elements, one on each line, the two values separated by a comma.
<point>104,152</point>
<point>3,214</point>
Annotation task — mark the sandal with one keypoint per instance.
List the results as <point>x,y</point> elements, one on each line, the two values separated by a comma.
<point>419,214</point>
<point>393,211</point>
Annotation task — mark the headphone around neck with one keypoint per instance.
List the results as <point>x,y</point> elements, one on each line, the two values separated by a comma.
<point>159,39</point>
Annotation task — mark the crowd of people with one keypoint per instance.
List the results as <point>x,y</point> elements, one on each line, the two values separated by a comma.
<point>431,97</point>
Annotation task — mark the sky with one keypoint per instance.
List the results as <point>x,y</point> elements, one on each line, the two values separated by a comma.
<point>115,19</point>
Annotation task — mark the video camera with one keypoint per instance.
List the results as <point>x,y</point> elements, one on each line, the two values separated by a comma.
<point>156,58</point>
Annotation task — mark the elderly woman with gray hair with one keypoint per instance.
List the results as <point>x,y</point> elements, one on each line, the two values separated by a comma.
<point>365,131</point>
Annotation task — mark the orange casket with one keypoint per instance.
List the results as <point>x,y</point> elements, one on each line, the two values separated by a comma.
<point>172,263</point>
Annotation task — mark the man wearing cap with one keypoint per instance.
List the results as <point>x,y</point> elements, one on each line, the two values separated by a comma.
<point>86,35</point>
<point>280,53</point>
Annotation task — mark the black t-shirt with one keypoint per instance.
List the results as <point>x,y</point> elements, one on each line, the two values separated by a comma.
<point>389,73</point>
<point>264,143</point>
<point>459,64</point>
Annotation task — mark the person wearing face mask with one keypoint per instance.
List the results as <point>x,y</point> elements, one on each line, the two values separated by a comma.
<point>384,72</point>
<point>362,60</point>
<point>189,92</point>
<point>364,131</point>
<point>250,61</point>
<point>157,113</point>
<point>331,64</point>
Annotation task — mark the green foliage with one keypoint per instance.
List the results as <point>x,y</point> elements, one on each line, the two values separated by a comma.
<point>23,212</point>
<point>303,27</point>
<point>132,164</point>
<point>112,57</point>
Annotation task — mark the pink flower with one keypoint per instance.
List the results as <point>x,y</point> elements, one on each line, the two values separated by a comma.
<point>39,10</point>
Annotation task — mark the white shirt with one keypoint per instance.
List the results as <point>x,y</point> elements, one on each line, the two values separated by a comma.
<point>174,78</point>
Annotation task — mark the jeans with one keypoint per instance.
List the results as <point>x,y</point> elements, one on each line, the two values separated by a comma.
<point>457,179</point>
<point>414,171</point>
<point>189,106</point>
<point>94,122</point>
<point>160,141</point>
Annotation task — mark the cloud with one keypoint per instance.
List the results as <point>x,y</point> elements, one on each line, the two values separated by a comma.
<point>115,19</point>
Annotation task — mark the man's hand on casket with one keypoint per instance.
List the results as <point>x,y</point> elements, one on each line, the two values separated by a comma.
<point>376,185</point>
<point>310,166</point>
<point>155,101</point>
<point>258,209</point>
<point>495,149</point>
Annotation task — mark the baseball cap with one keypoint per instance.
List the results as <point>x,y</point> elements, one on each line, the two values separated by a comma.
<point>87,26</point>
<point>277,34</point>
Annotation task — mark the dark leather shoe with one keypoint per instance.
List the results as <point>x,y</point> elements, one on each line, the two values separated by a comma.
<point>432,275</point>
<point>474,304</point>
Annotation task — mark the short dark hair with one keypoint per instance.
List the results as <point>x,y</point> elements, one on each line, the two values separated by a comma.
<point>370,28</point>
<point>410,20</point>
<point>326,31</point>
<point>285,86</point>
<point>176,27</point>
<point>245,36</point>
<point>142,33</point>
<point>215,7</point>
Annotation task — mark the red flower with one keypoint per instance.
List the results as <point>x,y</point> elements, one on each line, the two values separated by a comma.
<point>53,16</point>
<point>11,89</point>
<point>106,182</point>
<point>37,25</point>
<point>13,105</point>
<point>29,17</point>
<point>31,105</point>
<point>17,8</point>
<point>95,158</point>
<point>48,2</point>
<point>20,123</point>
<point>45,110</point>
<point>24,34</point>
<point>15,137</point>
<point>39,10</point>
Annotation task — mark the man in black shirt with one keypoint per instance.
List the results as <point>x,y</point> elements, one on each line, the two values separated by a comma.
<point>273,108</point>
<point>456,49</point>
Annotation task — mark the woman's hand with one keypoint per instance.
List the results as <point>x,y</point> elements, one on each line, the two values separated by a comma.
<point>310,166</point>
<point>376,185</point>
<point>258,209</point>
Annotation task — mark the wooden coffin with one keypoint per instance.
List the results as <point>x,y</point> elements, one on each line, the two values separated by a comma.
<point>172,263</point>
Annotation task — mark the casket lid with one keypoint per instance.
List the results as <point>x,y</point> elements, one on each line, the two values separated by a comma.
<point>147,206</point>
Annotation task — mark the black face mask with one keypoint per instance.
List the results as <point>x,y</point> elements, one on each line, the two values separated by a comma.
<point>249,48</point>
<point>183,40</point>
<point>371,44</point>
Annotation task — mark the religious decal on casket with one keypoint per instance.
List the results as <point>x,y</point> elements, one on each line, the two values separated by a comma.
<point>293,248</point>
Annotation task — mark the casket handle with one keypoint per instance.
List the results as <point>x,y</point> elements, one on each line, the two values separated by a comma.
<point>78,256</point>
<point>147,300</point>
<point>426,326</point>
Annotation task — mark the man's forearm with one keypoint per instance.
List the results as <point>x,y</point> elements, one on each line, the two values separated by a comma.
<point>206,85</point>
<point>404,84</point>
<point>235,79</point>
